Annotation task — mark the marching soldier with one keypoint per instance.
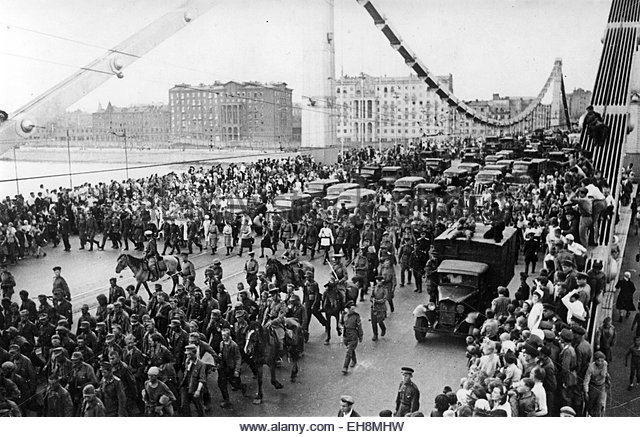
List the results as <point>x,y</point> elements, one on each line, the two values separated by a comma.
<point>408,398</point>
<point>378,308</point>
<point>361,268</point>
<point>352,335</point>
<point>311,301</point>
<point>151,254</point>
<point>251,268</point>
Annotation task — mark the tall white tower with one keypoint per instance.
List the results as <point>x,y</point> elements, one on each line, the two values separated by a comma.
<point>318,93</point>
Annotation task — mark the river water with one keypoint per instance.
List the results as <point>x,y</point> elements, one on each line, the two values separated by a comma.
<point>56,174</point>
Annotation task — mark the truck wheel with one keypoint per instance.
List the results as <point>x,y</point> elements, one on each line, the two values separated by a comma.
<point>420,335</point>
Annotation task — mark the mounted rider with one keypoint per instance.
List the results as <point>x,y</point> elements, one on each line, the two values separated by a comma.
<point>274,317</point>
<point>152,256</point>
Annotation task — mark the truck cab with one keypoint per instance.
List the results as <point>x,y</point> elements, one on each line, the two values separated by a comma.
<point>465,285</point>
<point>405,185</point>
<point>318,188</point>
<point>367,175</point>
<point>390,175</point>
<point>437,165</point>
<point>457,177</point>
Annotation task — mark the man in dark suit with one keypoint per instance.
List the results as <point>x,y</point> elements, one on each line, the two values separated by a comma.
<point>192,383</point>
<point>346,407</point>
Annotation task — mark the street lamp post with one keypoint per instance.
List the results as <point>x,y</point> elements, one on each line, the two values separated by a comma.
<point>15,167</point>
<point>69,158</point>
<point>126,153</point>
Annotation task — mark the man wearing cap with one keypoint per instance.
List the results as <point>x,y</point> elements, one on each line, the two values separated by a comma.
<point>229,367</point>
<point>568,385</point>
<point>91,406</point>
<point>151,255</point>
<point>312,300</point>
<point>274,317</point>
<point>346,407</point>
<point>85,316</point>
<point>352,335</point>
<point>583,289</point>
<point>81,375</point>
<point>62,306</point>
<point>157,396</point>
<point>249,305</point>
<point>59,283</point>
<point>57,401</point>
<point>188,269</point>
<point>339,269</point>
<point>296,310</point>
<point>597,281</point>
<point>45,331</point>
<point>26,328</point>
<point>192,383</point>
<point>214,329</point>
<point>251,268</point>
<point>28,305</point>
<point>111,392</point>
<point>7,281</point>
<point>378,308</point>
<point>177,338</point>
<point>115,291</point>
<point>549,382</point>
<point>326,240</point>
<point>408,398</point>
<point>361,269</point>
<point>582,348</point>
<point>597,382</point>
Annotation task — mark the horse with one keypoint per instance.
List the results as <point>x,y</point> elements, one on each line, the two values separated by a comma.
<point>286,273</point>
<point>333,306</point>
<point>141,271</point>
<point>261,348</point>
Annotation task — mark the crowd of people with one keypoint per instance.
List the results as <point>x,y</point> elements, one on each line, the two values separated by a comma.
<point>527,354</point>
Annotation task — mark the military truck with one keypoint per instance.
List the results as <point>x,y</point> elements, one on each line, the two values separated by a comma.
<point>467,278</point>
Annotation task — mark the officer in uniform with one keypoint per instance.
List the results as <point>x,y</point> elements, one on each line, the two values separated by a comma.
<point>408,398</point>
<point>340,271</point>
<point>352,335</point>
<point>251,268</point>
<point>311,301</point>
<point>378,308</point>
<point>151,254</point>
<point>274,316</point>
<point>167,234</point>
<point>361,268</point>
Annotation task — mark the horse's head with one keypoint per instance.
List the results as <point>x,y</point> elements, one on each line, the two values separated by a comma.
<point>253,339</point>
<point>121,263</point>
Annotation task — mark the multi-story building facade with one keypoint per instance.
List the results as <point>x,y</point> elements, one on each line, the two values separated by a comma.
<point>389,109</point>
<point>577,101</point>
<point>145,125</point>
<point>502,108</point>
<point>248,112</point>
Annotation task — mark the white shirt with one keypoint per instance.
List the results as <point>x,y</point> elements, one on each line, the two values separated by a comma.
<point>594,192</point>
<point>348,414</point>
<point>541,397</point>
<point>574,308</point>
<point>577,249</point>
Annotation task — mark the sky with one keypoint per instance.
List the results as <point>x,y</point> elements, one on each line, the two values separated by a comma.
<point>490,46</point>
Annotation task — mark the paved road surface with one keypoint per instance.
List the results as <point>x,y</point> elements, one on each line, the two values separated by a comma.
<point>373,382</point>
